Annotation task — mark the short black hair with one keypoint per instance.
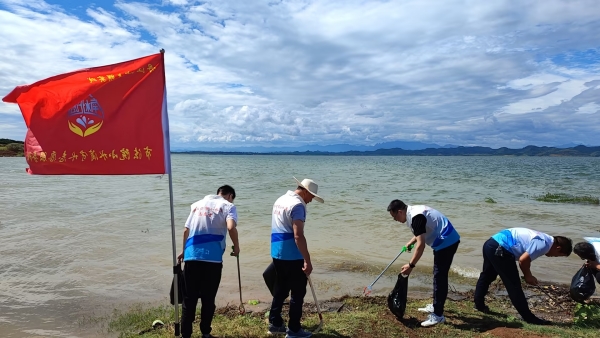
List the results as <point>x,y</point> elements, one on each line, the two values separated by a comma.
<point>226,190</point>
<point>396,205</point>
<point>565,243</point>
<point>585,250</point>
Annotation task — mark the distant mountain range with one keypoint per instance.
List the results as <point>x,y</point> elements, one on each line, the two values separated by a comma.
<point>579,150</point>
<point>333,148</point>
<point>395,148</point>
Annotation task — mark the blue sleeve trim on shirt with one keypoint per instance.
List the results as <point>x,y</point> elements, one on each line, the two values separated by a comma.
<point>299,213</point>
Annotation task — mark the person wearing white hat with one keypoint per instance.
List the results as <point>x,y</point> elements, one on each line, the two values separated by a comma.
<point>291,257</point>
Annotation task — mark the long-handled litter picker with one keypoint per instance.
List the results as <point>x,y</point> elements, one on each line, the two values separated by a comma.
<point>241,307</point>
<point>551,298</point>
<point>317,304</point>
<point>368,289</point>
<point>547,295</point>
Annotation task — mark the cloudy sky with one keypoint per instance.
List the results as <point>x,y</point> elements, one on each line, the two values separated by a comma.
<point>290,73</point>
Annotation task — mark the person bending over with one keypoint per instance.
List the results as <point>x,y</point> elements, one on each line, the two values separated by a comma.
<point>499,255</point>
<point>429,227</point>
<point>590,251</point>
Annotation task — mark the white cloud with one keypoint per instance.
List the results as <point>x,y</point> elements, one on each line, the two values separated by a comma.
<point>589,108</point>
<point>297,72</point>
<point>177,2</point>
<point>544,96</point>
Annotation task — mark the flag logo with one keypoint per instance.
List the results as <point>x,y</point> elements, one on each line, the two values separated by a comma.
<point>86,117</point>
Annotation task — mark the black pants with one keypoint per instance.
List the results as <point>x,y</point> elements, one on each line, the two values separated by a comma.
<point>290,277</point>
<point>494,265</point>
<point>202,281</point>
<point>442,260</point>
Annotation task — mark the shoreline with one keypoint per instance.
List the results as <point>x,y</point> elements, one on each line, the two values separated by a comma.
<point>369,317</point>
<point>118,320</point>
<point>8,153</point>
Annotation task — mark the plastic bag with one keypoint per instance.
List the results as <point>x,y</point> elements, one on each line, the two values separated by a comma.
<point>270,277</point>
<point>180,286</point>
<point>583,285</point>
<point>397,298</point>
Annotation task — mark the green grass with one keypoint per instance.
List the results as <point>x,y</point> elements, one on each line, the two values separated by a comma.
<point>5,152</point>
<point>566,198</point>
<point>366,317</point>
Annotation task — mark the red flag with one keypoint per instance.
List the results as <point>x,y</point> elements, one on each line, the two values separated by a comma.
<point>108,120</point>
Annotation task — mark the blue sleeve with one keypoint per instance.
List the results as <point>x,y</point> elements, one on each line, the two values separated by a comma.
<point>298,213</point>
<point>537,247</point>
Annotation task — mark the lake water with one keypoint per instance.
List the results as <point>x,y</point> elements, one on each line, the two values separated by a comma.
<point>76,247</point>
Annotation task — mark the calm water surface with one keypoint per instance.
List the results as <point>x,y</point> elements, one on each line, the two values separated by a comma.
<point>75,247</point>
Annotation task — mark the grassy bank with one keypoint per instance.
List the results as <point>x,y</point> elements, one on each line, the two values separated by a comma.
<point>4,152</point>
<point>11,148</point>
<point>369,317</point>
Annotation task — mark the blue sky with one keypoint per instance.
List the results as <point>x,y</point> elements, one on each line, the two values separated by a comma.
<point>292,73</point>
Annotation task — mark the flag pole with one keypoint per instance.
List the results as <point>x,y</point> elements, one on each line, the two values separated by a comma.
<point>168,167</point>
<point>176,283</point>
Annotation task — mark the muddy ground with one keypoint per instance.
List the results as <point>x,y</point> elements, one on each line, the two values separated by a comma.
<point>548,301</point>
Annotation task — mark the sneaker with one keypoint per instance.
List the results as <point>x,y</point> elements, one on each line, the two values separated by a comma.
<point>299,334</point>
<point>433,319</point>
<point>428,308</point>
<point>276,329</point>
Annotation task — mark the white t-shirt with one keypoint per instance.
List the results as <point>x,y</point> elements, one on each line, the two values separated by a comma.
<point>521,240</point>
<point>208,228</point>
<point>439,232</point>
<point>286,209</point>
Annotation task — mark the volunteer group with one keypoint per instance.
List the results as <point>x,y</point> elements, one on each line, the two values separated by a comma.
<point>214,216</point>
